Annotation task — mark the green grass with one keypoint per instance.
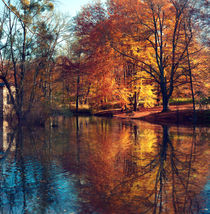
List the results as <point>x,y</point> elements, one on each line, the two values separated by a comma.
<point>180,101</point>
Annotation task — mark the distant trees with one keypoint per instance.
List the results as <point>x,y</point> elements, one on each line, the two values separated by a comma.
<point>71,72</point>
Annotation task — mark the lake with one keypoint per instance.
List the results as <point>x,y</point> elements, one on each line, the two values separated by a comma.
<point>90,165</point>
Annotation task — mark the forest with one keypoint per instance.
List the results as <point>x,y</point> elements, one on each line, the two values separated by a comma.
<point>144,62</point>
<point>121,54</point>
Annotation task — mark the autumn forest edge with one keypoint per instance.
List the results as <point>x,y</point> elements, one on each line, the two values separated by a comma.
<point>118,54</point>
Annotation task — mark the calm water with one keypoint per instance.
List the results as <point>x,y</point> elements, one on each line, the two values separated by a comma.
<point>104,166</point>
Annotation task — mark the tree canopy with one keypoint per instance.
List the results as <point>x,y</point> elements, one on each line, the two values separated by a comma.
<point>123,53</point>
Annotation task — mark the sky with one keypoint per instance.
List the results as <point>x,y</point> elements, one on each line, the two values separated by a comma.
<point>68,7</point>
<point>71,7</point>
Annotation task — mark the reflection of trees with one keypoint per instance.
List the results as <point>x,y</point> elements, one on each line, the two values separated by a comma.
<point>175,172</point>
<point>31,179</point>
<point>104,166</point>
<point>164,175</point>
<point>173,176</point>
<point>7,138</point>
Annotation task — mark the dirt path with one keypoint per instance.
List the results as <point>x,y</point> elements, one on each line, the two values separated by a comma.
<point>151,111</point>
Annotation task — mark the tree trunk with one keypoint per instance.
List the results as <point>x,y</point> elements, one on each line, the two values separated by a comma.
<point>192,92</point>
<point>191,80</point>
<point>135,102</point>
<point>165,102</point>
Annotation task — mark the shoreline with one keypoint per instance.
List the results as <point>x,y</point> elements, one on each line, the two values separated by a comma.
<point>178,115</point>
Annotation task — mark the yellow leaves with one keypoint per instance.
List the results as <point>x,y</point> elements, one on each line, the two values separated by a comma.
<point>147,140</point>
<point>25,2</point>
<point>50,6</point>
<point>145,92</point>
<point>145,146</point>
<point>124,94</point>
<point>14,10</point>
<point>124,139</point>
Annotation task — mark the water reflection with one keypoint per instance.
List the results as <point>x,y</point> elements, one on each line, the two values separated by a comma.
<point>6,138</point>
<point>104,166</point>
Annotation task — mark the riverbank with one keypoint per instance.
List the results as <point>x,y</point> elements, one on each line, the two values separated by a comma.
<point>182,115</point>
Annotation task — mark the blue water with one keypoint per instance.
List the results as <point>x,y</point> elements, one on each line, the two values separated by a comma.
<point>105,166</point>
<point>206,195</point>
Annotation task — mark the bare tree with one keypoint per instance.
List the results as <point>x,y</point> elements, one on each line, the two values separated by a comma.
<point>31,39</point>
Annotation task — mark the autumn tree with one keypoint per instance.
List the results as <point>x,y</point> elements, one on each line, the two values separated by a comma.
<point>90,26</point>
<point>153,37</point>
<point>105,66</point>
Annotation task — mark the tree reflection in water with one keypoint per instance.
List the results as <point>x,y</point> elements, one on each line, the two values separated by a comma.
<point>152,170</point>
<point>104,166</point>
<point>31,178</point>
